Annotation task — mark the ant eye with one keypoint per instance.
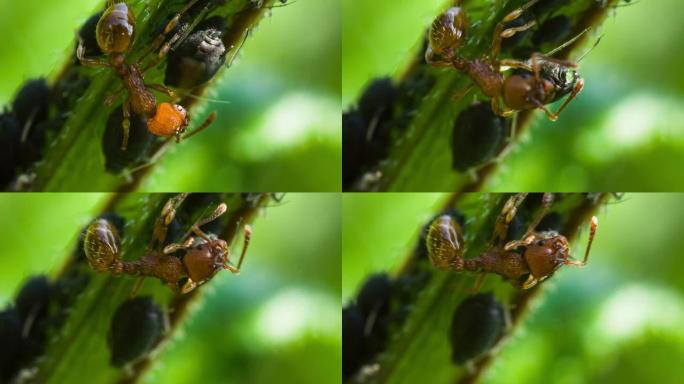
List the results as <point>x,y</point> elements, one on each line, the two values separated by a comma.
<point>540,243</point>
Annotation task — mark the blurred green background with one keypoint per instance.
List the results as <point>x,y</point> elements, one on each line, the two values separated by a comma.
<point>624,132</point>
<point>283,91</point>
<point>616,321</point>
<point>279,318</point>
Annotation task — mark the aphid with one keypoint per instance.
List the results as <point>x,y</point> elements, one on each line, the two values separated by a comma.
<point>11,354</point>
<point>378,99</point>
<point>479,135</point>
<point>33,299</point>
<point>197,59</point>
<point>355,350</point>
<point>31,104</point>
<point>373,299</point>
<point>115,34</point>
<point>524,263</point>
<point>88,34</point>
<point>135,328</point>
<point>552,31</point>
<point>518,91</point>
<point>477,324</point>
<point>354,146</point>
<point>10,137</point>
<point>140,139</point>
<point>201,257</point>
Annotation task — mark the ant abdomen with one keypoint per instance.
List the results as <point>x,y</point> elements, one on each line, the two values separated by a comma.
<point>116,29</point>
<point>444,242</point>
<point>448,32</point>
<point>101,245</point>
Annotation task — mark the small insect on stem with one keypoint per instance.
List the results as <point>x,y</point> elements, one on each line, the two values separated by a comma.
<point>537,82</point>
<point>183,266</point>
<point>524,262</point>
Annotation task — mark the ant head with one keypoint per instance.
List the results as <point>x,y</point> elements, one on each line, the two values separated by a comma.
<point>523,91</point>
<point>206,259</point>
<point>444,241</point>
<point>116,29</point>
<point>447,33</point>
<point>169,120</point>
<point>545,253</point>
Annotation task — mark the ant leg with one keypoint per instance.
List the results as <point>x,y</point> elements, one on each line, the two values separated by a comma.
<point>501,33</point>
<point>207,122</point>
<point>171,248</point>
<point>168,213</point>
<point>516,64</point>
<point>126,124</point>
<point>220,210</point>
<point>478,283</point>
<point>592,232</point>
<point>496,108</point>
<point>88,61</point>
<point>245,244</point>
<point>137,286</point>
<point>508,212</point>
<point>575,91</point>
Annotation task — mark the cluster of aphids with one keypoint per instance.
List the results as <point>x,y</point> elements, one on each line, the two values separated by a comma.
<point>24,132</point>
<point>535,79</point>
<point>384,110</point>
<point>40,306</point>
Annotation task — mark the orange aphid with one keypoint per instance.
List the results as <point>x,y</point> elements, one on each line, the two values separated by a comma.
<point>169,120</point>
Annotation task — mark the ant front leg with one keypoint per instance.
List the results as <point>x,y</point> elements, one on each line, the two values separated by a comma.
<point>579,84</point>
<point>163,89</point>
<point>247,230</point>
<point>500,33</point>
<point>530,235</point>
<point>207,122</point>
<point>496,108</point>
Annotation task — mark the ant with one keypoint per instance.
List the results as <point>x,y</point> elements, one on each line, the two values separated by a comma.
<point>115,34</point>
<point>525,262</point>
<point>529,88</point>
<point>203,256</point>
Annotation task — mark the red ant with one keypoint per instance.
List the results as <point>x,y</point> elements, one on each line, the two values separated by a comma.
<point>539,254</point>
<point>203,256</point>
<point>531,88</point>
<point>115,34</point>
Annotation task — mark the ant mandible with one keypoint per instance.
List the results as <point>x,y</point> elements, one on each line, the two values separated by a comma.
<point>538,256</point>
<point>115,34</point>
<point>539,81</point>
<point>203,256</point>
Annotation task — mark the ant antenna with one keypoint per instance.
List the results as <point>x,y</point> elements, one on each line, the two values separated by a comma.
<point>592,232</point>
<point>209,99</point>
<point>247,236</point>
<point>572,40</point>
<point>590,49</point>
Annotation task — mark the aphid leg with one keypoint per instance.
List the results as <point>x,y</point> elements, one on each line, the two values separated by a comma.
<point>163,89</point>
<point>88,61</point>
<point>508,212</point>
<point>461,93</point>
<point>112,97</point>
<point>207,122</point>
<point>592,232</point>
<point>137,286</point>
<point>478,283</point>
<point>501,33</point>
<point>126,124</point>
<point>247,230</point>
